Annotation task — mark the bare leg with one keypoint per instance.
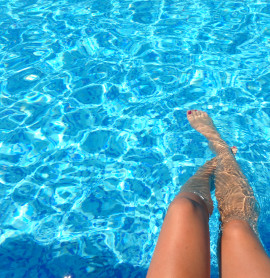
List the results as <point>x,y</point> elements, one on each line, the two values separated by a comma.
<point>241,252</point>
<point>199,183</point>
<point>183,245</point>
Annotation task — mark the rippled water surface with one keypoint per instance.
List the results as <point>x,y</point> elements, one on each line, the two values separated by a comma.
<point>94,142</point>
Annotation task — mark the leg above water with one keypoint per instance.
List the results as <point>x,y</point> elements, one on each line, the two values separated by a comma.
<point>183,248</point>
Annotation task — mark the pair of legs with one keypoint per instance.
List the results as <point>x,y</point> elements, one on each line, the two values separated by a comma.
<point>183,247</point>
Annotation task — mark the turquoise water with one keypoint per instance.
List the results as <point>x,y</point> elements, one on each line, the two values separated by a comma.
<point>94,142</point>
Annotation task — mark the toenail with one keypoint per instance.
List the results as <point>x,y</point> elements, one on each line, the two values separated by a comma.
<point>196,110</point>
<point>189,112</point>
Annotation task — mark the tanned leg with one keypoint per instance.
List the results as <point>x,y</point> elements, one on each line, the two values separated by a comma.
<point>183,248</point>
<point>242,255</point>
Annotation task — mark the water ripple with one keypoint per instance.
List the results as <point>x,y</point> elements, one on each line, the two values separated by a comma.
<point>94,143</point>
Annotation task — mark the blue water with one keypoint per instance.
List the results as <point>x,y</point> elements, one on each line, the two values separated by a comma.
<point>94,142</point>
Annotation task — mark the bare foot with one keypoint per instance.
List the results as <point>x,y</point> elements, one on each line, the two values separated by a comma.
<point>201,122</point>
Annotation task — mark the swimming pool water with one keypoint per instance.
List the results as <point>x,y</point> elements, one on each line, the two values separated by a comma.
<point>94,143</point>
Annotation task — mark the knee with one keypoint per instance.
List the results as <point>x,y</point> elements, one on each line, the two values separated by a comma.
<point>235,228</point>
<point>187,206</point>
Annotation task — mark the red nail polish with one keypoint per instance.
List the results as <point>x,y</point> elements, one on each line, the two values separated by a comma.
<point>196,110</point>
<point>189,112</point>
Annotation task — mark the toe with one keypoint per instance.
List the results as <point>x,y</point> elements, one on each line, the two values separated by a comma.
<point>190,116</point>
<point>234,150</point>
<point>195,113</point>
<point>199,113</point>
<point>204,114</point>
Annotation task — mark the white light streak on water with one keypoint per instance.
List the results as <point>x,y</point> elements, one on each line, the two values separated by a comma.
<point>31,77</point>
